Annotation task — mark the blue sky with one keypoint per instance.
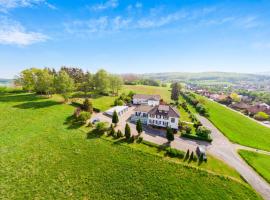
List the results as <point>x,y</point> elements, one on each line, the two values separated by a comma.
<point>124,36</point>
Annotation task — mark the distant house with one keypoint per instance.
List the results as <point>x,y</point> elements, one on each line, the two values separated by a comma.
<point>120,110</point>
<point>151,100</point>
<point>159,115</point>
<point>240,106</point>
<point>259,107</point>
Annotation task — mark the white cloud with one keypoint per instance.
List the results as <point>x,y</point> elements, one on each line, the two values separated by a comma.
<point>6,5</point>
<point>106,5</point>
<point>13,33</point>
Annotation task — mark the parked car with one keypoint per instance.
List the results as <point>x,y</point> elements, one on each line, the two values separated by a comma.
<point>95,120</point>
<point>201,150</point>
<point>267,122</point>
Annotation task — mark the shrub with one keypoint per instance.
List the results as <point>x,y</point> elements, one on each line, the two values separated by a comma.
<point>191,156</point>
<point>127,131</point>
<point>174,153</point>
<point>203,132</point>
<point>118,102</point>
<point>77,112</point>
<point>87,105</point>
<point>187,155</point>
<point>201,109</point>
<point>140,139</point>
<point>115,118</point>
<point>187,129</point>
<point>119,134</point>
<point>97,110</point>
<point>83,117</point>
<point>101,127</point>
<point>150,144</point>
<point>139,127</point>
<point>169,134</point>
<point>261,116</point>
<point>112,131</point>
<point>197,124</point>
<point>132,139</point>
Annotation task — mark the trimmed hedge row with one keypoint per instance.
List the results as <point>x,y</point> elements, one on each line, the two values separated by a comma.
<point>196,137</point>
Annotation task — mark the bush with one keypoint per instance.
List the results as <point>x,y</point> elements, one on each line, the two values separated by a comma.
<point>132,139</point>
<point>187,129</point>
<point>87,105</point>
<point>97,110</point>
<point>201,109</point>
<point>119,134</point>
<point>140,139</point>
<point>127,131</point>
<point>112,131</point>
<point>187,155</point>
<point>196,137</point>
<point>83,117</point>
<point>197,124</point>
<point>203,132</point>
<point>261,116</point>
<point>102,127</point>
<point>150,144</point>
<point>174,153</point>
<point>118,102</point>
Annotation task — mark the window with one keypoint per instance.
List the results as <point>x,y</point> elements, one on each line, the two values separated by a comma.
<point>172,120</point>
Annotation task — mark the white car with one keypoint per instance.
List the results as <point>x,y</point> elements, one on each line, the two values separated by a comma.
<point>95,120</point>
<point>267,122</point>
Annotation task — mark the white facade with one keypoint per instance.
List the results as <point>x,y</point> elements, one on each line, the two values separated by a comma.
<point>120,110</point>
<point>159,120</point>
<point>150,102</point>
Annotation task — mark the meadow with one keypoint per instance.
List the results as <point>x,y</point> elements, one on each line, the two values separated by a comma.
<point>238,128</point>
<point>43,157</point>
<point>259,162</point>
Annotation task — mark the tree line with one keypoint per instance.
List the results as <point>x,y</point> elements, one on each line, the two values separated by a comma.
<point>48,81</point>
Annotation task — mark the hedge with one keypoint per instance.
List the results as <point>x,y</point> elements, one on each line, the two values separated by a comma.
<point>195,137</point>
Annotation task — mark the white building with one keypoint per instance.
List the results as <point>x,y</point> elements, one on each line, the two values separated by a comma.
<point>120,110</point>
<point>159,115</point>
<point>151,100</point>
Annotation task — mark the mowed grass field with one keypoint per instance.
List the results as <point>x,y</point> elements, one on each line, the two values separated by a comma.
<point>42,157</point>
<point>164,92</point>
<point>259,162</point>
<point>238,128</point>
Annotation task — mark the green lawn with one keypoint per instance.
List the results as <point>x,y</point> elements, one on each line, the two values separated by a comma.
<point>42,157</point>
<point>238,128</point>
<point>259,162</point>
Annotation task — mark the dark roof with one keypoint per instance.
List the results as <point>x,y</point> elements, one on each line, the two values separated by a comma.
<point>144,108</point>
<point>164,110</point>
<point>147,97</point>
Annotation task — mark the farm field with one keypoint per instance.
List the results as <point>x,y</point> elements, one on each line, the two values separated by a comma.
<point>259,162</point>
<point>43,157</point>
<point>238,128</point>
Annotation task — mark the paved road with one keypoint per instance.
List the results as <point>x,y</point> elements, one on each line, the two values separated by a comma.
<point>221,147</point>
<point>225,150</point>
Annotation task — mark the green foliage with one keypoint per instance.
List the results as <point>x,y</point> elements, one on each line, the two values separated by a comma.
<point>187,155</point>
<point>127,131</point>
<point>201,109</point>
<point>140,139</point>
<point>118,102</point>
<point>101,127</point>
<point>119,134</point>
<point>175,153</point>
<point>169,134</point>
<point>191,156</point>
<point>115,83</point>
<point>261,116</point>
<point>83,117</point>
<point>139,127</point>
<point>203,132</point>
<point>87,105</point>
<point>187,129</point>
<point>176,89</point>
<point>115,118</point>
<point>101,81</point>
<point>112,131</point>
<point>64,84</point>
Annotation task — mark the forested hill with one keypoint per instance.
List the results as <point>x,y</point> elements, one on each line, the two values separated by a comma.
<point>207,76</point>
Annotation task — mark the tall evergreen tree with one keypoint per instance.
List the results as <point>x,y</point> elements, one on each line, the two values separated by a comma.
<point>176,88</point>
<point>127,131</point>
<point>115,118</point>
<point>87,105</point>
<point>139,127</point>
<point>169,135</point>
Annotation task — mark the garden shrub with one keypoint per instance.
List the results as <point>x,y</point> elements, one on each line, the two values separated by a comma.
<point>174,152</point>
<point>261,116</point>
<point>119,134</point>
<point>203,132</point>
<point>140,139</point>
<point>83,117</point>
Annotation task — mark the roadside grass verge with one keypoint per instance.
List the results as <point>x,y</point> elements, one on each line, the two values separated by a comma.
<point>41,157</point>
<point>259,162</point>
<point>238,128</point>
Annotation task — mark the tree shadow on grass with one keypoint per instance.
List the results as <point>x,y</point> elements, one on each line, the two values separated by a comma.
<point>36,105</point>
<point>71,123</point>
<point>19,97</point>
<point>94,134</point>
<point>121,141</point>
